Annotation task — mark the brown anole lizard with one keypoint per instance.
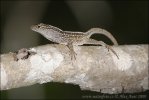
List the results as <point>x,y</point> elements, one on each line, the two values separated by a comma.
<point>71,38</point>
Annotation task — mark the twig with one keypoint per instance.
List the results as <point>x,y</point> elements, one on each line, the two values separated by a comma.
<point>95,68</point>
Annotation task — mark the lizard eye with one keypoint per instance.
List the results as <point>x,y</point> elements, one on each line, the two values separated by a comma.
<point>38,26</point>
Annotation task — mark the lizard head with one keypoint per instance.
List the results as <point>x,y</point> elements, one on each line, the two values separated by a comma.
<point>39,27</point>
<point>42,28</point>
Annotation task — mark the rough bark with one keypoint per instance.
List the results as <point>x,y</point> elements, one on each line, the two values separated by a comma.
<point>95,68</point>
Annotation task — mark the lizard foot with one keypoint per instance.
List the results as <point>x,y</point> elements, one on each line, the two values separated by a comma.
<point>73,55</point>
<point>109,47</point>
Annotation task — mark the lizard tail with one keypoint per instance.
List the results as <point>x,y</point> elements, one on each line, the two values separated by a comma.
<point>103,32</point>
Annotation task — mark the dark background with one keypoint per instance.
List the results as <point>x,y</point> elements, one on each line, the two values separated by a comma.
<point>127,20</point>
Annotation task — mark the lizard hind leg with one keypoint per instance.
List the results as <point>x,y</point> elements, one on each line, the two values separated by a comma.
<point>92,41</point>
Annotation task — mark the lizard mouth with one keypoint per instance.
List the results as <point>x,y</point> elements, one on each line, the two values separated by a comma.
<point>38,26</point>
<point>34,27</point>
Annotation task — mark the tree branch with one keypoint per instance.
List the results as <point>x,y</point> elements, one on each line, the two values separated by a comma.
<point>95,68</point>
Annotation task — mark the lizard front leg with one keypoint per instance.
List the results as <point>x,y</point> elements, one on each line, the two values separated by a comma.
<point>72,52</point>
<point>92,41</point>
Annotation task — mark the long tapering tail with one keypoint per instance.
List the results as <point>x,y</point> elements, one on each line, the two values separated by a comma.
<point>103,32</point>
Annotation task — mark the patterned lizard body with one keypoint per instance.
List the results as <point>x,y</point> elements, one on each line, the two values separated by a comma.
<point>70,38</point>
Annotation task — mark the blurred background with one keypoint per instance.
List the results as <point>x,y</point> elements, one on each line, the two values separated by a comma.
<point>127,20</point>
